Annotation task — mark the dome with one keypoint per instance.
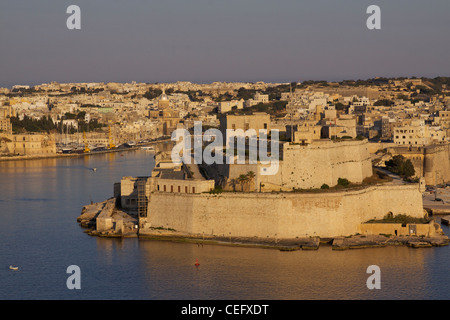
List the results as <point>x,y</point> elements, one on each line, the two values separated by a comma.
<point>163,97</point>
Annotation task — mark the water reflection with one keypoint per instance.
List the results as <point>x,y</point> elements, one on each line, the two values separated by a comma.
<point>41,199</point>
<point>252,273</point>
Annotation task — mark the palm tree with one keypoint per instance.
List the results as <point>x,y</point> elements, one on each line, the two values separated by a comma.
<point>233,182</point>
<point>242,179</point>
<point>251,176</point>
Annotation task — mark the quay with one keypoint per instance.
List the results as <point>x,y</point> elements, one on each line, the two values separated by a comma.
<point>81,154</point>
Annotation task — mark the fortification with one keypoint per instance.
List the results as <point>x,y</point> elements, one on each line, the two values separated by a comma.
<point>282,215</point>
<point>431,162</point>
<point>302,167</point>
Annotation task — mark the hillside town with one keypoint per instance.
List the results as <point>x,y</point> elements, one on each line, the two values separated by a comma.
<point>349,153</point>
<point>403,116</point>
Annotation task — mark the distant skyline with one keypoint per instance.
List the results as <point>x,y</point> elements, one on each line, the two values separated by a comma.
<point>204,41</point>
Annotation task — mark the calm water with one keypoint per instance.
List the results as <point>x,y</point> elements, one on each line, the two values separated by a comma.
<point>41,199</point>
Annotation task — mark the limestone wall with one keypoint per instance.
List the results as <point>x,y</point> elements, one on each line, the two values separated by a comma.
<point>281,215</point>
<point>430,229</point>
<point>311,166</point>
<point>431,162</point>
<point>104,220</point>
<point>303,167</point>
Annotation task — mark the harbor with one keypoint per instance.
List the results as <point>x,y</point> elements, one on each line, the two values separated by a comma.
<point>42,231</point>
<point>70,151</point>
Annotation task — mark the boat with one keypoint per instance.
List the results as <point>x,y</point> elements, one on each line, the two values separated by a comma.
<point>148,148</point>
<point>13,268</point>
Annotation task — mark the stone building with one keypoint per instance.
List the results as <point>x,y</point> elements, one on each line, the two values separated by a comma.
<point>167,177</point>
<point>256,121</point>
<point>28,144</point>
<point>418,133</point>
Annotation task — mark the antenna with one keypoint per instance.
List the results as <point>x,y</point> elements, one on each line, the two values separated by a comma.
<point>291,112</point>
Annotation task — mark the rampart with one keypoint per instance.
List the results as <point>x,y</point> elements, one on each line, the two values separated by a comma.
<point>302,167</point>
<point>431,162</point>
<point>281,215</point>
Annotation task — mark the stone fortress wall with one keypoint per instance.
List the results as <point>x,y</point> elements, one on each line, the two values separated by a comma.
<point>431,162</point>
<point>281,215</point>
<point>303,167</point>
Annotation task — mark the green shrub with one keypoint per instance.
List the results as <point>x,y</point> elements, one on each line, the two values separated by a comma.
<point>343,182</point>
<point>325,186</point>
<point>217,189</point>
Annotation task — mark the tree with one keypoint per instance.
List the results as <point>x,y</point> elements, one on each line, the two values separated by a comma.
<point>408,169</point>
<point>401,166</point>
<point>242,179</point>
<point>233,182</point>
<point>152,93</point>
<point>384,102</point>
<point>251,176</point>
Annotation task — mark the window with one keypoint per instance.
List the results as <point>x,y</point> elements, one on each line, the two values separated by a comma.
<point>179,189</point>
<point>186,189</point>
<point>164,188</point>
<point>193,189</point>
<point>171,188</point>
<point>265,126</point>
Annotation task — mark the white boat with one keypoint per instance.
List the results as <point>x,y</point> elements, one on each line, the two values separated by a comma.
<point>13,268</point>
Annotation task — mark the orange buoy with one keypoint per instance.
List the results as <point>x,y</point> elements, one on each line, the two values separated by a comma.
<point>196,263</point>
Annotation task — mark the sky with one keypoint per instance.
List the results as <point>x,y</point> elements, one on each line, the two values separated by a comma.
<point>221,40</point>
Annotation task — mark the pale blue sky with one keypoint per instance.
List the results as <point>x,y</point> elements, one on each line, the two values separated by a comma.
<point>221,40</point>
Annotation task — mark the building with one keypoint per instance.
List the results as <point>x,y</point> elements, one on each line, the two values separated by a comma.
<point>304,133</point>
<point>5,126</point>
<point>256,121</point>
<point>418,133</point>
<point>167,177</point>
<point>227,106</point>
<point>28,144</point>
<point>163,101</point>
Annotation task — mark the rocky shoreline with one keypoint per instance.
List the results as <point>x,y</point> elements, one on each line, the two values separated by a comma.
<point>129,230</point>
<point>375,241</point>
